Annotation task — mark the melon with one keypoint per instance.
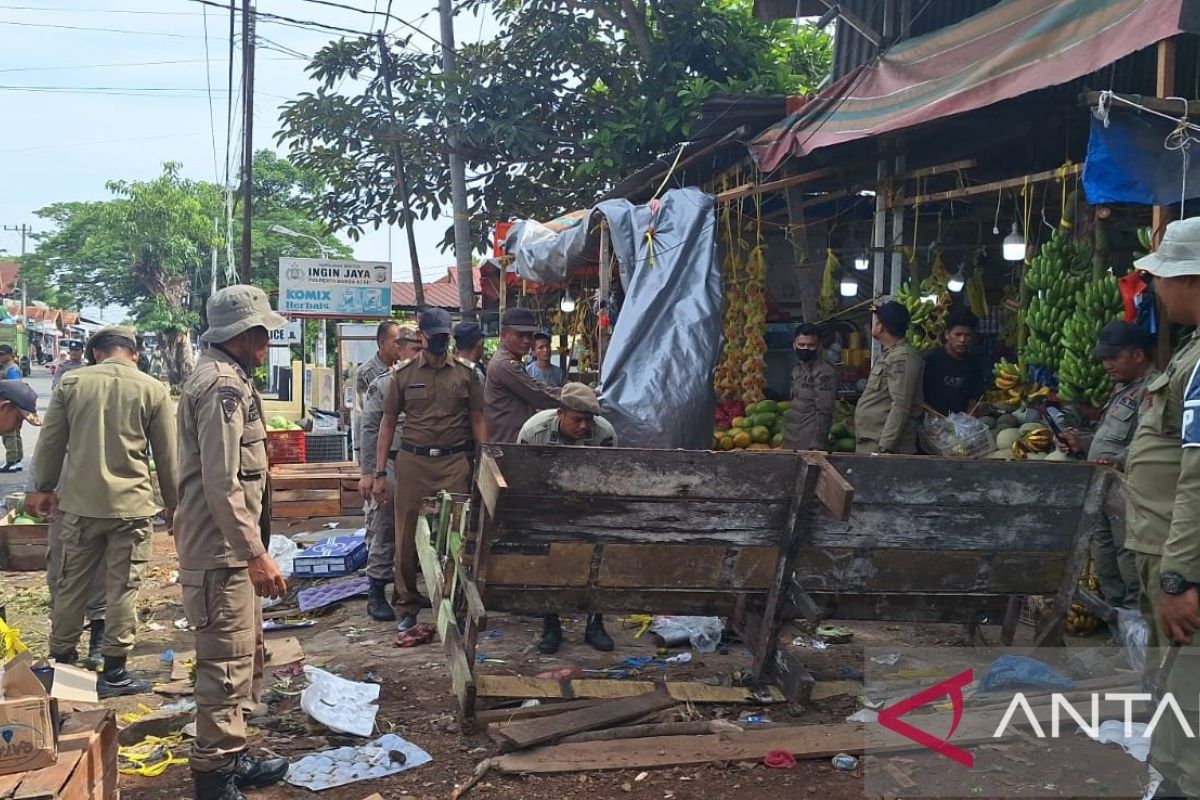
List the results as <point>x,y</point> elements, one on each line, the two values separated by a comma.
<point>1006,438</point>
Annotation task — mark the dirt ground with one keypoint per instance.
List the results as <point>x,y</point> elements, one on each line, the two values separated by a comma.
<point>416,703</point>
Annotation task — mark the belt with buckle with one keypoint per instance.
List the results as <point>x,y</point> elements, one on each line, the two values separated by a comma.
<point>435,452</point>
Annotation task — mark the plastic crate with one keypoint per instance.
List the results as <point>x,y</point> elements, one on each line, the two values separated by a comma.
<point>332,557</point>
<point>322,448</point>
<point>286,447</point>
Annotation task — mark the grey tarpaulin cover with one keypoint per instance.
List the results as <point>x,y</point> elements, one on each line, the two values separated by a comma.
<point>657,373</point>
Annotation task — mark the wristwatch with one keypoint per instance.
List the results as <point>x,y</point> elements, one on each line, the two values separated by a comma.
<point>381,473</point>
<point>1174,583</point>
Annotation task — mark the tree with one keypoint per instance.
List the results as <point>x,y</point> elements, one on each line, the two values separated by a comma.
<point>567,98</point>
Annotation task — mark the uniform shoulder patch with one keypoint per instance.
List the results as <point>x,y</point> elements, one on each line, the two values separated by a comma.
<point>463,362</point>
<point>230,399</point>
<point>1191,409</point>
<point>898,368</point>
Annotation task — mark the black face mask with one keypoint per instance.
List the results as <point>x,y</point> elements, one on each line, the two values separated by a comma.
<point>805,356</point>
<point>438,344</point>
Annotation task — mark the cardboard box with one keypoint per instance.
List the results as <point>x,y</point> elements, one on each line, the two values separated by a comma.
<point>333,557</point>
<point>28,738</point>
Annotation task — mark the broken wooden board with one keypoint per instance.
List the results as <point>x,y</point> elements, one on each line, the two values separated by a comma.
<point>530,733</point>
<point>493,716</point>
<point>516,686</point>
<point>86,766</point>
<point>823,690</point>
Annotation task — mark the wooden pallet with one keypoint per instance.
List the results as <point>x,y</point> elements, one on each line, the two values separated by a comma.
<point>23,547</point>
<point>86,768</point>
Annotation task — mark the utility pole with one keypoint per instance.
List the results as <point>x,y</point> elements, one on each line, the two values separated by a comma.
<point>385,68</point>
<point>22,229</point>
<point>248,144</point>
<point>458,169</point>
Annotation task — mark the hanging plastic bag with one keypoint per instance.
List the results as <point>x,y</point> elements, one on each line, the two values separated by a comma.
<point>284,551</point>
<point>1134,636</point>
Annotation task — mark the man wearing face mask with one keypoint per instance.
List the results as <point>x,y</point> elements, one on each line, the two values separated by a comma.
<point>442,403</point>
<point>814,389</point>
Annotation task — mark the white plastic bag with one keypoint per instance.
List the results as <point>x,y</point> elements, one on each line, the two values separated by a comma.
<point>704,633</point>
<point>283,550</point>
<point>1134,635</point>
<point>341,705</point>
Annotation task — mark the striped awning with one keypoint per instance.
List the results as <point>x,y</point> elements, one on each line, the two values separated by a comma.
<point>1013,48</point>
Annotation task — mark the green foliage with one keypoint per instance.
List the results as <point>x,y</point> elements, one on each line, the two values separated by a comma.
<point>567,98</point>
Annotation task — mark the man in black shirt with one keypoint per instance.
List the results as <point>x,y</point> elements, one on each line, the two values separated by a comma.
<point>954,378</point>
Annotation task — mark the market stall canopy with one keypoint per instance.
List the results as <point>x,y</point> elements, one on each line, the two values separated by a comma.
<point>1008,50</point>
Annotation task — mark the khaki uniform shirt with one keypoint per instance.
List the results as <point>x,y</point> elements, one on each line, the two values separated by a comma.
<point>372,413</point>
<point>223,446</point>
<point>1112,437</point>
<point>63,369</point>
<point>436,401</point>
<point>512,396</point>
<point>893,400</point>
<point>364,376</point>
<point>1160,502</point>
<point>542,428</point>
<point>810,412</point>
<point>111,418</point>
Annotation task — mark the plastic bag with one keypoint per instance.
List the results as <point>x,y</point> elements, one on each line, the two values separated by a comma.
<point>959,435</point>
<point>284,551</point>
<point>341,705</point>
<point>704,633</point>
<point>1134,636</point>
<point>1008,672</point>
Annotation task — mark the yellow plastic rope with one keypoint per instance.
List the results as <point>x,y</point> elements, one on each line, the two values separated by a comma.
<point>140,756</point>
<point>640,621</point>
<point>1063,222</point>
<point>10,641</point>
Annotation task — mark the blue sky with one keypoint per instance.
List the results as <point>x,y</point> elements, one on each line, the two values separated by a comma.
<point>71,122</point>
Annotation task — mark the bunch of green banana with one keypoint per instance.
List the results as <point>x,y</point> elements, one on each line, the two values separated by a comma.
<point>1081,378</point>
<point>928,306</point>
<point>1054,276</point>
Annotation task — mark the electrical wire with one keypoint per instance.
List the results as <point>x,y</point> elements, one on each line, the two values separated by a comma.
<point>289,21</point>
<point>387,15</point>
<point>212,121</point>
<point>59,9</point>
<point>101,30</point>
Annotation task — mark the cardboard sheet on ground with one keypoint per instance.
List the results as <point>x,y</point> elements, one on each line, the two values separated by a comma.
<point>326,594</point>
<point>343,765</point>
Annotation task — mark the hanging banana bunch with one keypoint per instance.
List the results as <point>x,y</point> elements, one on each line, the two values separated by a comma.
<point>827,303</point>
<point>1081,378</point>
<point>977,295</point>
<point>1054,277</point>
<point>741,371</point>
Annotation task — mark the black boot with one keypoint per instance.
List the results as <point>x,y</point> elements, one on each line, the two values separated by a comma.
<point>219,785</point>
<point>377,604</point>
<point>117,682</point>
<point>69,658</point>
<point>596,636</point>
<point>551,635</point>
<point>95,658</point>
<point>254,773</point>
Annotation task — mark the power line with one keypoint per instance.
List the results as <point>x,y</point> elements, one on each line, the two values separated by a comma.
<point>212,122</point>
<point>387,14</point>
<point>279,18</point>
<point>102,30</point>
<point>121,64</point>
<point>100,11</point>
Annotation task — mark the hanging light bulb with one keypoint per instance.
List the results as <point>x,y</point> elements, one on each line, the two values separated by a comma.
<point>1014,245</point>
<point>861,262</point>
<point>957,280</point>
<point>848,286</point>
<point>567,304</point>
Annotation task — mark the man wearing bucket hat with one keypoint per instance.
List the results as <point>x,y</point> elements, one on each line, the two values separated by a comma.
<point>221,534</point>
<point>1162,487</point>
<point>108,416</point>
<point>512,395</point>
<point>576,424</point>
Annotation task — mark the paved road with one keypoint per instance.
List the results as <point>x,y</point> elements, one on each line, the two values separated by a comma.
<point>39,379</point>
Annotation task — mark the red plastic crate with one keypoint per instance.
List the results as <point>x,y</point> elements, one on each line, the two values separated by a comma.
<point>286,447</point>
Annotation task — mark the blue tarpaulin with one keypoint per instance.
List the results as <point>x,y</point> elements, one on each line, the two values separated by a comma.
<point>1127,162</point>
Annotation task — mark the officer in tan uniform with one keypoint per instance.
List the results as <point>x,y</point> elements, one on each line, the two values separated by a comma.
<point>885,420</point>
<point>381,517</point>
<point>814,390</point>
<point>442,403</point>
<point>221,532</point>
<point>111,418</point>
<point>1125,349</point>
<point>388,344</point>
<point>74,361</point>
<point>576,424</point>
<point>512,395</point>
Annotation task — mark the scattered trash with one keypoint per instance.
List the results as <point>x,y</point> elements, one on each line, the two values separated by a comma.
<point>1112,731</point>
<point>287,624</point>
<point>779,759</point>
<point>284,551</point>
<point>1154,780</point>
<point>640,621</point>
<point>493,634</point>
<point>179,706</point>
<point>1007,672</point>
<point>755,719</point>
<point>563,674</point>
<point>887,659</point>
<point>682,658</point>
<point>864,715</point>
<point>845,762</point>
<point>483,658</point>
<point>419,634</point>
<point>832,634</point>
<point>641,776</point>
<point>150,757</point>
<point>704,633</point>
<point>341,705</point>
<point>326,594</point>
<point>1134,636</point>
<point>181,624</point>
<point>168,656</point>
<point>155,626</point>
<point>531,703</point>
<point>387,755</point>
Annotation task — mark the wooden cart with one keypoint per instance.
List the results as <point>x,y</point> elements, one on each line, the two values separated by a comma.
<point>583,530</point>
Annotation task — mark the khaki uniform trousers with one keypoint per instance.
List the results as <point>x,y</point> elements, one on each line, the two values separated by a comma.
<point>227,614</point>
<point>381,533</point>
<point>1116,567</point>
<point>14,447</point>
<point>116,548</point>
<point>97,597</point>
<point>1172,752</point>
<point>418,477</point>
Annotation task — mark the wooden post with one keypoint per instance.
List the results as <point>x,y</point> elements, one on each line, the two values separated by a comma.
<point>1161,215</point>
<point>808,272</point>
<point>897,228</point>
<point>879,237</point>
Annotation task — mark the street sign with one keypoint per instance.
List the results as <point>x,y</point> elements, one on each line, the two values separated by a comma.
<point>320,287</point>
<point>287,335</point>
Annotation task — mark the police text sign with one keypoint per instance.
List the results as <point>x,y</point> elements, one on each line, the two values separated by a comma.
<point>334,288</point>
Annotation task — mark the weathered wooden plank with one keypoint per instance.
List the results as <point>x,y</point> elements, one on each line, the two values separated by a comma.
<point>564,564</point>
<point>79,732</point>
<point>523,735</point>
<point>622,472</point>
<point>493,716</point>
<point>841,569</point>
<point>303,509</point>
<point>910,607</point>
<point>935,527</point>
<point>490,482</point>
<point>1052,625</point>
<point>462,682</point>
<point>475,607</point>
<point>835,492</point>
<point>754,567</point>
<point>281,483</point>
<point>663,565</point>
<point>516,686</point>
<point>294,495</point>
<point>535,600</point>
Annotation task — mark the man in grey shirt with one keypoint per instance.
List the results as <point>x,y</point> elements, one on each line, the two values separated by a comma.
<point>540,368</point>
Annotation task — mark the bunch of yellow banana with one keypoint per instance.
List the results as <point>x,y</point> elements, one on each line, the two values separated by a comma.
<point>827,302</point>
<point>928,306</point>
<point>741,371</point>
<point>1079,619</point>
<point>977,295</point>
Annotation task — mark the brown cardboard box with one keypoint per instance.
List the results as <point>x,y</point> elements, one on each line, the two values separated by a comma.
<point>27,732</point>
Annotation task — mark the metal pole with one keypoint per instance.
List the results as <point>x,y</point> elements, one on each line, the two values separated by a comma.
<point>458,170</point>
<point>898,232</point>
<point>248,144</point>
<point>879,238</point>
